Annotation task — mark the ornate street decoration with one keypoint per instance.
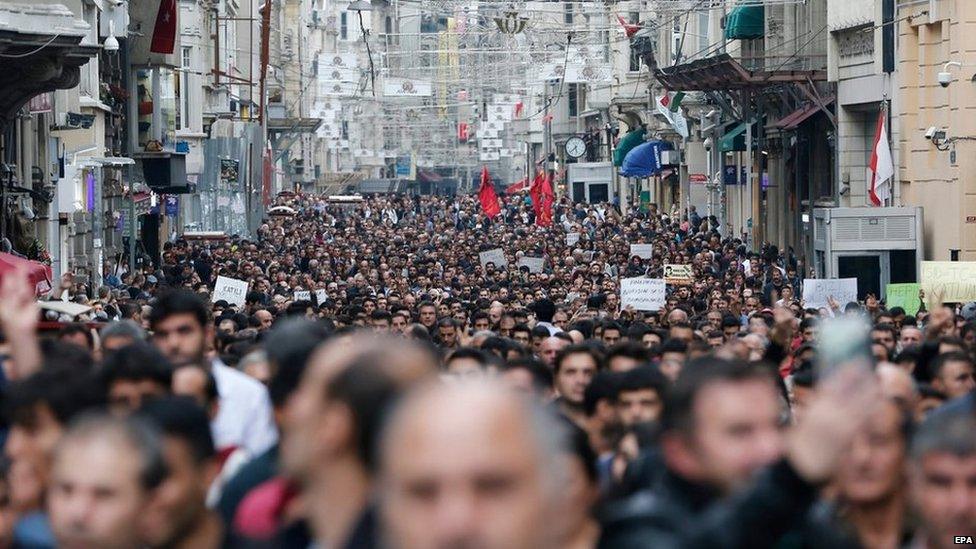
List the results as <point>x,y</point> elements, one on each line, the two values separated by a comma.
<point>511,23</point>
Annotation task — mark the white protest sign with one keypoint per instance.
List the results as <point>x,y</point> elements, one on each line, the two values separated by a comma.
<point>572,238</point>
<point>535,264</point>
<point>496,256</point>
<point>643,294</point>
<point>642,251</point>
<point>231,290</point>
<point>321,296</point>
<point>817,290</point>
<point>303,295</point>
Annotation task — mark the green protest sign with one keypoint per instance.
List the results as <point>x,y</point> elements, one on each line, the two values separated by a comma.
<point>904,296</point>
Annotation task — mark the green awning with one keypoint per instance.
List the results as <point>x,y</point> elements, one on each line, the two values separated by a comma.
<point>746,21</point>
<point>734,140</point>
<point>626,143</point>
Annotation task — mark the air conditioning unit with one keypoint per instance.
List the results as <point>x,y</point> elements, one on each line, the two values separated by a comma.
<point>878,246</point>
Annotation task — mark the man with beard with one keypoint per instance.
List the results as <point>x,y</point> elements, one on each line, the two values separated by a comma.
<point>731,473</point>
<point>182,330</point>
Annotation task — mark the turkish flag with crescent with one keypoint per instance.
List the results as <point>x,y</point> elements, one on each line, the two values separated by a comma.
<point>164,33</point>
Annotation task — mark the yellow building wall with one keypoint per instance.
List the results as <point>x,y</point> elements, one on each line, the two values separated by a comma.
<point>929,177</point>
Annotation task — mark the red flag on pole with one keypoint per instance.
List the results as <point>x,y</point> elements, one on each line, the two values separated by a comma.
<point>487,196</point>
<point>164,33</point>
<point>629,28</point>
<point>542,199</point>
<point>544,218</point>
<point>535,193</point>
<point>463,132</point>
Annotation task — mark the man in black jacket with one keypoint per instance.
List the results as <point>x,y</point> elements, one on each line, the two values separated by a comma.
<point>734,477</point>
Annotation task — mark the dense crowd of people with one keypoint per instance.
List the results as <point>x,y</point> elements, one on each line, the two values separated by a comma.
<point>381,385</point>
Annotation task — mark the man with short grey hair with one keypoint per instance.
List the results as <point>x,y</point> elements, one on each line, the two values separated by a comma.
<point>463,468</point>
<point>942,477</point>
<point>120,334</point>
<point>106,471</point>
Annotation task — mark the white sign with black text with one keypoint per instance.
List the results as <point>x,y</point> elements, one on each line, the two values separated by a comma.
<point>816,291</point>
<point>496,256</point>
<point>643,294</point>
<point>643,251</point>
<point>231,290</point>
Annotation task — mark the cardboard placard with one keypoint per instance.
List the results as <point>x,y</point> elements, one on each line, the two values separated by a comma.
<point>496,256</point>
<point>904,296</point>
<point>678,275</point>
<point>321,296</point>
<point>535,264</point>
<point>643,251</point>
<point>953,281</point>
<point>303,295</point>
<point>572,239</point>
<point>644,294</point>
<point>231,290</point>
<point>816,291</point>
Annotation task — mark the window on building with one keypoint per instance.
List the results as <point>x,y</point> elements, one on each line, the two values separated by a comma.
<point>344,26</point>
<point>388,26</point>
<point>703,24</point>
<point>573,92</point>
<point>634,58</point>
<point>185,76</point>
<point>677,42</point>
<point>635,62</point>
<point>88,84</point>
<point>568,13</point>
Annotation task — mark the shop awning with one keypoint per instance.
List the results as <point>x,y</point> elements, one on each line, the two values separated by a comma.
<point>746,21</point>
<point>626,144</point>
<point>734,140</point>
<point>644,160</point>
<point>38,274</point>
<point>722,73</point>
<point>799,116</point>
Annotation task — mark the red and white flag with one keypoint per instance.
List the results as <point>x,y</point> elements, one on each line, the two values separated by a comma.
<point>881,168</point>
<point>164,33</point>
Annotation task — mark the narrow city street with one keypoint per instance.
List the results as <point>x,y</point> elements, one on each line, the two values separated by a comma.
<point>479,274</point>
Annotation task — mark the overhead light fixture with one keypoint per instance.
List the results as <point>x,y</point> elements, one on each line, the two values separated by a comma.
<point>111,43</point>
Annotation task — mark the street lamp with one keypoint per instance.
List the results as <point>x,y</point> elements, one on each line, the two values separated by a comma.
<point>111,43</point>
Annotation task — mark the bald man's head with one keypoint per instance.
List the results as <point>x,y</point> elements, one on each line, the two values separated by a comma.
<point>898,385</point>
<point>339,408</point>
<point>550,348</point>
<point>462,467</point>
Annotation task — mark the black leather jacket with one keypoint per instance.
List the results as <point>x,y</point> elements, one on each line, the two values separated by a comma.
<point>680,514</point>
